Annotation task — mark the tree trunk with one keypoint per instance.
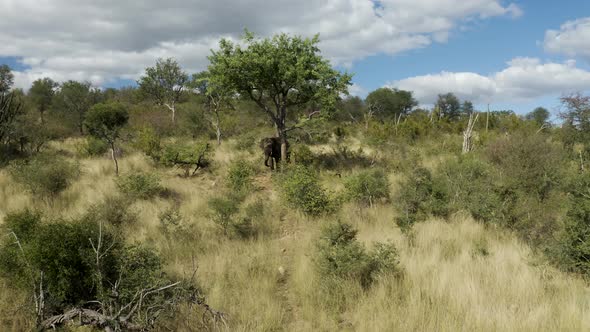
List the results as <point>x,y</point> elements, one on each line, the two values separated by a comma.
<point>217,127</point>
<point>114,156</point>
<point>282,134</point>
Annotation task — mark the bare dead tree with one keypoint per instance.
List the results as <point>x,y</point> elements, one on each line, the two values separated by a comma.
<point>468,133</point>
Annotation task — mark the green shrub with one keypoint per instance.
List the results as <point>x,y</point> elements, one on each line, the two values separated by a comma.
<point>572,249</point>
<point>148,142</point>
<point>341,256</point>
<point>302,154</point>
<point>240,176</point>
<point>45,175</point>
<point>420,196</point>
<point>528,163</point>
<point>114,210</point>
<point>223,210</point>
<point>367,186</point>
<point>140,185</point>
<point>61,256</point>
<point>61,250</point>
<point>186,156</point>
<point>472,185</point>
<point>302,190</point>
<point>93,146</point>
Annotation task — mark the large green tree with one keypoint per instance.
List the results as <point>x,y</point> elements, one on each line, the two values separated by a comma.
<point>449,106</point>
<point>164,83</point>
<point>282,75</point>
<point>539,115</point>
<point>10,104</point>
<point>217,99</point>
<point>576,116</point>
<point>76,98</point>
<point>41,94</point>
<point>104,121</point>
<point>6,79</point>
<point>388,103</point>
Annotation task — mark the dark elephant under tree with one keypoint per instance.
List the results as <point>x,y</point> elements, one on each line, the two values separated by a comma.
<point>271,147</point>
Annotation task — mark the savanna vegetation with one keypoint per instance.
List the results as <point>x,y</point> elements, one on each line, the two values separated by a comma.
<point>150,207</point>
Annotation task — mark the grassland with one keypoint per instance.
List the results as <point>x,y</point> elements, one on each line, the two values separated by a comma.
<point>458,275</point>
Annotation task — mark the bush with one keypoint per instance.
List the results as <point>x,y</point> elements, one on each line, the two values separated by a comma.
<point>572,248</point>
<point>367,186</point>
<point>186,156</point>
<point>223,210</point>
<point>140,185</point>
<point>61,256</point>
<point>93,147</point>
<point>302,155</point>
<point>528,163</point>
<point>341,256</point>
<point>472,185</point>
<point>148,142</point>
<point>240,176</point>
<point>61,250</point>
<point>302,190</point>
<point>420,196</point>
<point>45,175</point>
<point>114,210</point>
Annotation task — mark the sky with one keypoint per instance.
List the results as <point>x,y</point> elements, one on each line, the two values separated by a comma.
<point>513,54</point>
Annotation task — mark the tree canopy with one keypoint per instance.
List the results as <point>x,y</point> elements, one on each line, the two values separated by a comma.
<point>41,94</point>
<point>449,106</point>
<point>164,83</point>
<point>390,103</point>
<point>6,79</point>
<point>281,74</point>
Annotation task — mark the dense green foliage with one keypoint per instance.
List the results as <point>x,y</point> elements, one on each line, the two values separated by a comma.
<point>367,186</point>
<point>302,190</point>
<point>240,176</point>
<point>341,256</point>
<point>140,185</point>
<point>44,175</point>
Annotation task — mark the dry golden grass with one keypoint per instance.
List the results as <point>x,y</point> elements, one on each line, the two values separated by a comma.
<point>458,275</point>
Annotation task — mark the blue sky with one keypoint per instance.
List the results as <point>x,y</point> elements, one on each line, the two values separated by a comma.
<point>484,47</point>
<point>490,51</point>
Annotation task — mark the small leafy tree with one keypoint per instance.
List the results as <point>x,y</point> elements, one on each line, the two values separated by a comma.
<point>104,121</point>
<point>390,103</point>
<point>218,98</point>
<point>449,106</point>
<point>6,79</point>
<point>164,83</point>
<point>76,98</point>
<point>281,75</point>
<point>41,93</point>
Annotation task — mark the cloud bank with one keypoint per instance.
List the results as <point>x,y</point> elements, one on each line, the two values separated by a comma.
<point>108,40</point>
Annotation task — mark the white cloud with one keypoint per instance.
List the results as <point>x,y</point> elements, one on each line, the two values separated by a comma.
<point>572,39</point>
<point>108,39</point>
<point>524,79</point>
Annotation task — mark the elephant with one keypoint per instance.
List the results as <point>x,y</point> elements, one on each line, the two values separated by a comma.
<point>271,146</point>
